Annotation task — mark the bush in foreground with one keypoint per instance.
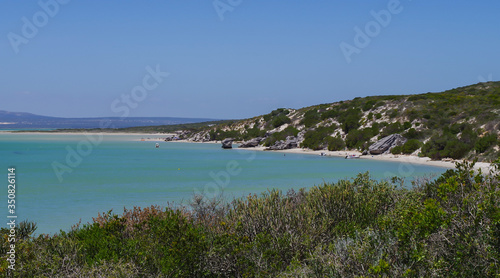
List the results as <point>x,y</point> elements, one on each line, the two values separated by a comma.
<point>449,226</point>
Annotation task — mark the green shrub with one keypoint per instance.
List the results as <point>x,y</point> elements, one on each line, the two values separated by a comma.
<point>447,227</point>
<point>412,114</point>
<point>318,139</point>
<point>311,118</point>
<point>253,133</point>
<point>277,117</point>
<point>410,146</point>
<point>330,114</point>
<point>485,142</point>
<point>392,129</point>
<point>446,145</point>
<point>280,120</point>
<point>413,134</point>
<point>350,119</point>
<point>219,134</point>
<point>397,150</point>
<point>392,113</point>
<point>358,139</point>
<point>335,144</point>
<point>368,105</point>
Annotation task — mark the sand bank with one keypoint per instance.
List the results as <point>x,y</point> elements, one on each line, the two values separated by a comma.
<point>150,135</point>
<point>485,167</point>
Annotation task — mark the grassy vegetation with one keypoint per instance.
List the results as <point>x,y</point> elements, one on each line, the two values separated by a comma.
<point>448,227</point>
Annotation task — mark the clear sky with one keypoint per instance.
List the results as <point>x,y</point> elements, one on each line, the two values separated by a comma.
<point>236,58</point>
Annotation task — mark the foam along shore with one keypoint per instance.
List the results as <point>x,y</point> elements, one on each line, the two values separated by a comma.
<point>485,167</point>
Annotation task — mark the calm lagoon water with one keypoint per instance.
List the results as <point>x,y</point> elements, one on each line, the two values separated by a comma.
<point>121,171</point>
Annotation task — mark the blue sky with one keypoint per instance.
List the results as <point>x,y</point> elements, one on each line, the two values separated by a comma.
<point>244,61</point>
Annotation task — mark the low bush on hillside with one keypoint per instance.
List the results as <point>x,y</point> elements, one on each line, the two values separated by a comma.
<point>251,133</point>
<point>219,134</point>
<point>485,142</point>
<point>359,138</point>
<point>407,148</point>
<point>448,144</point>
<point>336,144</point>
<point>392,129</point>
<point>410,146</point>
<point>280,120</point>
<point>318,139</point>
<point>414,134</point>
<point>448,227</point>
<point>350,119</point>
<point>397,150</point>
<point>458,123</point>
<point>311,118</point>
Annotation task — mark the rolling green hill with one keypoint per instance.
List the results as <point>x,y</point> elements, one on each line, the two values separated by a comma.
<point>458,123</point>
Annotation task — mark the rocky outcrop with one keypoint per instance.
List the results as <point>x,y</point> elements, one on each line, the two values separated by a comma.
<point>227,143</point>
<point>385,144</point>
<point>301,136</point>
<point>289,143</point>
<point>251,143</point>
<point>200,137</point>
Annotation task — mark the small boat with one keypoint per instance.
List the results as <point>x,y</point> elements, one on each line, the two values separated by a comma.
<point>351,156</point>
<point>157,145</point>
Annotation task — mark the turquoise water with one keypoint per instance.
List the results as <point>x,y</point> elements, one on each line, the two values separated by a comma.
<point>121,171</point>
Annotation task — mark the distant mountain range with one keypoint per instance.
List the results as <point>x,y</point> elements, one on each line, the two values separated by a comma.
<point>20,120</point>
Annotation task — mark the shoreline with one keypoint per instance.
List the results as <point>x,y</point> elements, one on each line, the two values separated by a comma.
<point>411,159</point>
<point>160,137</point>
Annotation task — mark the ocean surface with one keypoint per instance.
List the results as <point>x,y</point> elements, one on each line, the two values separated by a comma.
<point>61,179</point>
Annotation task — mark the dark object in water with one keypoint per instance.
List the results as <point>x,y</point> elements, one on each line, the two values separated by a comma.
<point>227,143</point>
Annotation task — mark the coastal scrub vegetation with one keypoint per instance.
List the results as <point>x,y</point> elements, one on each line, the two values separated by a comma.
<point>317,139</point>
<point>445,227</point>
<point>462,123</point>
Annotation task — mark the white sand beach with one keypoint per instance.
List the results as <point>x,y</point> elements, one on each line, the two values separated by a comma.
<point>485,167</point>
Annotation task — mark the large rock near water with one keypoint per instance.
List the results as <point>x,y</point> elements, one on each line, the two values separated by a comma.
<point>252,143</point>
<point>289,143</point>
<point>386,144</point>
<point>227,143</point>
